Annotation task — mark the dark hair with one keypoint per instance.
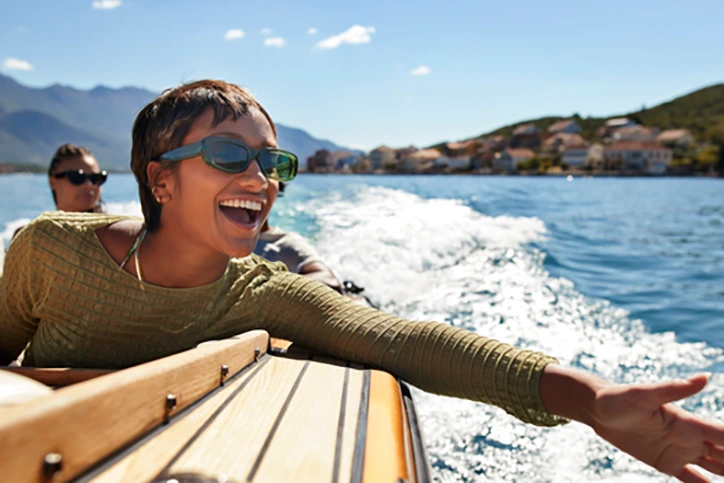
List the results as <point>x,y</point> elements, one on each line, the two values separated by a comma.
<point>68,151</point>
<point>282,187</point>
<point>163,124</point>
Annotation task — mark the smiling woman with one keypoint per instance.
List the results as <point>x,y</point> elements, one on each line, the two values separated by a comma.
<point>70,296</point>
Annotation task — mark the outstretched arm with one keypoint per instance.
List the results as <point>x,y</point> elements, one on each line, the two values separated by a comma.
<point>640,420</point>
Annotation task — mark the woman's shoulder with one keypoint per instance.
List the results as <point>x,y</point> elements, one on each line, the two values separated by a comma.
<point>254,261</point>
<point>69,221</point>
<point>57,225</point>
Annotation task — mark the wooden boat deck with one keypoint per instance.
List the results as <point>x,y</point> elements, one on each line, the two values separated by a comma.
<point>272,419</point>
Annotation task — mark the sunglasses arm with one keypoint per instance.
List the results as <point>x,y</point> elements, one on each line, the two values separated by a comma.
<point>184,152</point>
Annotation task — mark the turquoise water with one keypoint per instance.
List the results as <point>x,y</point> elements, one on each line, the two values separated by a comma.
<point>621,276</point>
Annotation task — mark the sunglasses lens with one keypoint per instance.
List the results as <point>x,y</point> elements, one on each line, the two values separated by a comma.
<point>279,165</point>
<point>98,178</point>
<point>228,156</point>
<point>76,177</point>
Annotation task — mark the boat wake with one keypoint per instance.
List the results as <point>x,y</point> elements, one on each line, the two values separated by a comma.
<point>435,259</point>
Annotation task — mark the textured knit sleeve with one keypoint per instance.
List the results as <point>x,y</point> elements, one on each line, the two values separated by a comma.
<point>434,357</point>
<point>18,294</point>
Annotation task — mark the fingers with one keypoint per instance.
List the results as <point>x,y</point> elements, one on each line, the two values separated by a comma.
<point>711,465</point>
<point>714,433</point>
<point>690,475</point>
<point>670,391</point>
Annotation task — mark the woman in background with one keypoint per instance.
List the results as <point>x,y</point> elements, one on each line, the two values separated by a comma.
<point>292,249</point>
<point>76,180</point>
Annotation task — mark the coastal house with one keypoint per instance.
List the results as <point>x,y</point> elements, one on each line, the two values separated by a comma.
<point>568,126</point>
<point>509,159</point>
<point>559,142</point>
<point>317,163</point>
<point>594,158</point>
<point>324,161</point>
<point>344,161</point>
<point>575,156</point>
<point>675,138</point>
<point>420,161</point>
<point>648,158</point>
<point>611,125</point>
<point>636,134</point>
<point>463,148</point>
<point>526,136</point>
<point>493,143</point>
<point>458,163</point>
<point>382,157</point>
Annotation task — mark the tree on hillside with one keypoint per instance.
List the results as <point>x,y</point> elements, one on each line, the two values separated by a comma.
<point>715,135</point>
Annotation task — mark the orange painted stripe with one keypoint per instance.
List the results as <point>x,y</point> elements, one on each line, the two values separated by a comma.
<point>385,454</point>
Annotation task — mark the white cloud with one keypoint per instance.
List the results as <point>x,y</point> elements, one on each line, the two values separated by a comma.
<point>422,70</point>
<point>233,34</point>
<point>266,31</point>
<point>106,4</point>
<point>312,31</point>
<point>274,42</point>
<point>354,35</point>
<point>11,63</point>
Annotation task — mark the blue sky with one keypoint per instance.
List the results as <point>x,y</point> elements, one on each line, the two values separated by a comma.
<point>485,64</point>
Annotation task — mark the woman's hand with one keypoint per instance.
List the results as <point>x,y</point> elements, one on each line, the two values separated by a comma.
<point>640,420</point>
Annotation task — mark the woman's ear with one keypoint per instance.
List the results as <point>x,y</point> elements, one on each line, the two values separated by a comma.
<point>161,182</point>
<point>53,182</point>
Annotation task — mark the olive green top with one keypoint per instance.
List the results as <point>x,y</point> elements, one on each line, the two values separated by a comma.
<point>63,293</point>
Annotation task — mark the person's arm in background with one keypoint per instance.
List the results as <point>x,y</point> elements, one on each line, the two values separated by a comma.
<point>322,273</point>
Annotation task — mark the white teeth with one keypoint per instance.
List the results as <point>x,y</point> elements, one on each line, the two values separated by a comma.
<point>248,204</point>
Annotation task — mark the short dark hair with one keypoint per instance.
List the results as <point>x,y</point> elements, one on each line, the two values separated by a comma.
<point>67,151</point>
<point>163,124</point>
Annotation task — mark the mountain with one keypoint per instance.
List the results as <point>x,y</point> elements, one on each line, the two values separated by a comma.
<point>696,111</point>
<point>35,121</point>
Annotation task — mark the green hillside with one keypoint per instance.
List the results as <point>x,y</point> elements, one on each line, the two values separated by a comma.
<point>696,111</point>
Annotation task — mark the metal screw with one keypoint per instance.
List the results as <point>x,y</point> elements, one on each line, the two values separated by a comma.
<point>52,464</point>
<point>224,372</point>
<point>170,402</point>
<point>256,354</point>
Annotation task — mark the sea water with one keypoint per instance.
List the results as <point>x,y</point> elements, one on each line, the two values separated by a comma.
<point>620,276</point>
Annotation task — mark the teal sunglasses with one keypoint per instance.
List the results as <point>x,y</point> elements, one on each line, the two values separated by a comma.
<point>232,156</point>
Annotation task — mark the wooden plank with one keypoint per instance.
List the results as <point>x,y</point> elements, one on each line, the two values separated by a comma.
<point>156,454</point>
<point>231,444</point>
<point>354,393</point>
<point>58,376</point>
<point>236,441</point>
<point>87,421</point>
<point>306,439</point>
<point>386,456</point>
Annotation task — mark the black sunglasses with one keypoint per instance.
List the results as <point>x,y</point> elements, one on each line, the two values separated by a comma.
<point>232,156</point>
<point>79,177</point>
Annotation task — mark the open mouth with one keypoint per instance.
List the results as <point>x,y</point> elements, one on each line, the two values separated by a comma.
<point>241,212</point>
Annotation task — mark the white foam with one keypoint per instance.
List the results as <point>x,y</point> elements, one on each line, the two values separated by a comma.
<point>441,260</point>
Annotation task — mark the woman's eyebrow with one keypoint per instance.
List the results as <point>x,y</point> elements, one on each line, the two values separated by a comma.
<point>239,138</point>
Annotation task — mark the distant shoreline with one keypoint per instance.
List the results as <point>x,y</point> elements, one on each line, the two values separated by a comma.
<point>12,168</point>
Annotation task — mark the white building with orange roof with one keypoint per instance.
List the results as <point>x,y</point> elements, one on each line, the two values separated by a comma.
<point>650,158</point>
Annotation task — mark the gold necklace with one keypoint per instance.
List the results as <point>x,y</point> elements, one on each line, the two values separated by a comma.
<point>138,254</point>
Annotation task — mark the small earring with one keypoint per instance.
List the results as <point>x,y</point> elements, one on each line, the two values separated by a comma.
<point>158,200</point>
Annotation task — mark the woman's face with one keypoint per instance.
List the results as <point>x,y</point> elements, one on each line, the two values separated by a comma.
<point>201,205</point>
<point>70,197</point>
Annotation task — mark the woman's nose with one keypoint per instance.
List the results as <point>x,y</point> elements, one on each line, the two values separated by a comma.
<point>253,177</point>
